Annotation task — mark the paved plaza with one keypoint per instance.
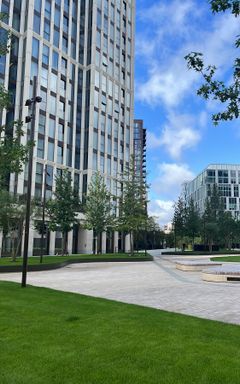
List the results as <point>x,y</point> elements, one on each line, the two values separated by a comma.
<point>156,284</point>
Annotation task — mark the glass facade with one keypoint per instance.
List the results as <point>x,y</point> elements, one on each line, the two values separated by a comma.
<point>139,148</point>
<point>226,177</point>
<point>82,54</point>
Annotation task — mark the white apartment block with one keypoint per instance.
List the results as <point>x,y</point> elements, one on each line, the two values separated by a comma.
<point>227,179</point>
<point>82,53</point>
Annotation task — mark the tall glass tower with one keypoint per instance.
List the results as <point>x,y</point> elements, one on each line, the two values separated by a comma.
<point>82,53</point>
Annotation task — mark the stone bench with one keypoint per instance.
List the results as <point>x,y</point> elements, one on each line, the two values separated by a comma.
<point>195,265</point>
<point>226,273</point>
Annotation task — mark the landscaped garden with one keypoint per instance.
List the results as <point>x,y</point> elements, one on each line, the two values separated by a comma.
<point>55,337</point>
<point>7,261</point>
<point>235,259</point>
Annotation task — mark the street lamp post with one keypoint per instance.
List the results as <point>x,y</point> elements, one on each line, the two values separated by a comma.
<point>31,103</point>
<point>43,212</point>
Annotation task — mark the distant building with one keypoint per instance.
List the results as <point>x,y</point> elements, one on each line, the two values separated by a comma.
<point>139,148</point>
<point>168,228</point>
<point>226,177</point>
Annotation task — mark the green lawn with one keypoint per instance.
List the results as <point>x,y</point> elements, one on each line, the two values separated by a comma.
<point>50,337</point>
<point>59,259</point>
<point>235,259</point>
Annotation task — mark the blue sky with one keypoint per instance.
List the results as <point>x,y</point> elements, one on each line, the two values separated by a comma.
<point>181,139</point>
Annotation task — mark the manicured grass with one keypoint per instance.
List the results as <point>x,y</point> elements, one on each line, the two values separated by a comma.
<point>50,337</point>
<point>59,259</point>
<point>235,259</point>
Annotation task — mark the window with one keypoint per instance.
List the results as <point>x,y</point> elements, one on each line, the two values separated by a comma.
<point>46,32</point>
<point>35,48</point>
<point>52,105</point>
<point>60,132</point>
<point>61,109</point>
<point>44,77</point>
<point>64,66</point>
<point>36,23</point>
<point>41,124</point>
<point>50,151</point>
<point>56,37</point>
<point>95,122</point>
<point>51,128</point>
<point>55,60</point>
<point>59,154</point>
<point>223,177</point>
<point>39,173</point>
<point>48,9</point>
<point>95,140</point>
<point>45,54</point>
<point>40,148</point>
<point>65,44</point>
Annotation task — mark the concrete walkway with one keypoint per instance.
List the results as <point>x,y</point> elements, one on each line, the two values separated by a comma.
<point>155,284</point>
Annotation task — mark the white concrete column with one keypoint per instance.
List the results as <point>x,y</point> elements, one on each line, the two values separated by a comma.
<point>127,243</point>
<point>1,242</point>
<point>115,242</point>
<point>104,241</point>
<point>69,242</point>
<point>30,241</point>
<point>52,243</point>
<point>85,241</point>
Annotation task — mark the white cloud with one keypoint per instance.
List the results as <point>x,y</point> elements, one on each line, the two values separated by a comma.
<point>152,140</point>
<point>162,210</point>
<point>180,132</point>
<point>167,185</point>
<point>167,81</point>
<point>179,135</point>
<point>170,178</point>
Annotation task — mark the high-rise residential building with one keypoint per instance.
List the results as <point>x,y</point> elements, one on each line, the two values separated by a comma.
<point>82,54</point>
<point>226,177</point>
<point>139,148</point>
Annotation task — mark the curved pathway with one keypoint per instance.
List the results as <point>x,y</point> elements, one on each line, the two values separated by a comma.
<point>156,284</point>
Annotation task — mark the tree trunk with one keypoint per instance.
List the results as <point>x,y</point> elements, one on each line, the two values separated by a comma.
<point>98,243</point>
<point>131,243</point>
<point>64,243</point>
<point>13,248</point>
<point>210,245</point>
<point>137,243</point>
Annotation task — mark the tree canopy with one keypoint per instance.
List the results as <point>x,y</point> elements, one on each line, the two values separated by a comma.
<point>228,93</point>
<point>98,209</point>
<point>64,207</point>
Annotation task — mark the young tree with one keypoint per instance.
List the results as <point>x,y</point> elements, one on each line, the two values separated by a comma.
<point>133,203</point>
<point>98,209</point>
<point>63,208</point>
<point>192,220</point>
<point>179,220</point>
<point>227,229</point>
<point>226,93</point>
<point>12,215</point>
<point>212,216</point>
<point>13,156</point>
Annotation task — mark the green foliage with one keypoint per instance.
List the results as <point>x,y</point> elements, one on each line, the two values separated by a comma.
<point>224,5</point>
<point>193,221</point>
<point>133,203</point>
<point>179,218</point>
<point>13,154</point>
<point>228,94</point>
<point>63,208</point>
<point>98,208</point>
<point>228,229</point>
<point>12,216</point>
